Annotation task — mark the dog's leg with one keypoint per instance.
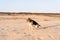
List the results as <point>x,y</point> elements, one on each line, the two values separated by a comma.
<point>39,26</point>
<point>36,27</point>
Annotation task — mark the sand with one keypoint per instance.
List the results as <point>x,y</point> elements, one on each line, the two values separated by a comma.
<point>17,28</point>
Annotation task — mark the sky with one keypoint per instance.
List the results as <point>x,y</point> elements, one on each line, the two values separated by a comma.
<point>42,6</point>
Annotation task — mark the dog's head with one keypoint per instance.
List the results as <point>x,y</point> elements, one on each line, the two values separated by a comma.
<point>29,19</point>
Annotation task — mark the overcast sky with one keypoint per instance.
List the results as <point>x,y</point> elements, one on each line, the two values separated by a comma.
<point>30,6</point>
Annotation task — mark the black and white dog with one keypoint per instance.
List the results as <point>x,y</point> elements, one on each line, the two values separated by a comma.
<point>33,23</point>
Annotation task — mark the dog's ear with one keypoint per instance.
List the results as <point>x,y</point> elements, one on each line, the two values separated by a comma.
<point>29,18</point>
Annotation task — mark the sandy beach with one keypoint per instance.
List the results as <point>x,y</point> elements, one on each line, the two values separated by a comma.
<point>17,28</point>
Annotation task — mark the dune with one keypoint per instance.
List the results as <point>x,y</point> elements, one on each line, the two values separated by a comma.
<point>17,28</point>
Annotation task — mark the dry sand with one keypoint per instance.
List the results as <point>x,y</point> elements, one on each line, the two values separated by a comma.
<point>17,28</point>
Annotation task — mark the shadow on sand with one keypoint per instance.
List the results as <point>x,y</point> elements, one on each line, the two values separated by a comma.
<point>54,26</point>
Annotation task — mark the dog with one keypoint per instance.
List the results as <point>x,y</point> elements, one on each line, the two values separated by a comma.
<point>34,23</point>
